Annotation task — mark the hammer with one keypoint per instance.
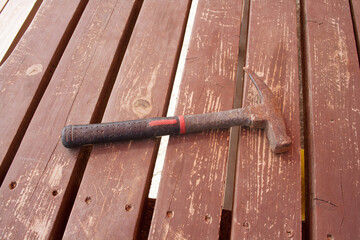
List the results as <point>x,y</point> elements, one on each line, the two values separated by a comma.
<point>264,116</point>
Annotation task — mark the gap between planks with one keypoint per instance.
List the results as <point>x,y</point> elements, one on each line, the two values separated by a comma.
<point>305,117</point>
<point>235,131</point>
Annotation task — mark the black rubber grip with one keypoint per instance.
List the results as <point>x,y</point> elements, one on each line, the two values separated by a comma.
<point>77,135</point>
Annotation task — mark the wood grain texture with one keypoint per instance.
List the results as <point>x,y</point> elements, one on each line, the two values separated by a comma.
<point>117,178</point>
<point>25,74</point>
<point>11,19</point>
<point>333,116</point>
<point>42,168</point>
<point>267,199</point>
<point>192,185</point>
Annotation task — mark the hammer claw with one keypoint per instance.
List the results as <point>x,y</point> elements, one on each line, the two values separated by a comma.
<point>275,125</point>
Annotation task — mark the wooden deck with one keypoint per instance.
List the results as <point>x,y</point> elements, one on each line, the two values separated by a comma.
<point>79,61</point>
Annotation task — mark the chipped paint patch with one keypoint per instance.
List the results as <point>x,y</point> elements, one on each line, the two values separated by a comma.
<point>34,69</point>
<point>56,175</point>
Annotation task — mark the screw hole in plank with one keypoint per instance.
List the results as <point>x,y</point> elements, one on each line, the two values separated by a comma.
<point>329,237</point>
<point>12,185</point>
<point>55,193</point>
<point>128,207</point>
<point>208,218</point>
<point>88,200</point>
<point>169,214</point>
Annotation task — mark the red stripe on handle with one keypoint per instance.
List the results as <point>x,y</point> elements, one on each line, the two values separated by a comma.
<point>182,124</point>
<point>162,122</point>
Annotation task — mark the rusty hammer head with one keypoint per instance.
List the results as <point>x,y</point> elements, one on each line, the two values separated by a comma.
<point>268,116</point>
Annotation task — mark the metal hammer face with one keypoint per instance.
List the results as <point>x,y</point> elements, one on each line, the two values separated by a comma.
<point>265,115</point>
<point>269,116</point>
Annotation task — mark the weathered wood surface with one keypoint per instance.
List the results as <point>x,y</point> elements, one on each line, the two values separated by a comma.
<point>25,74</point>
<point>117,178</point>
<point>267,203</point>
<point>41,177</point>
<point>37,191</point>
<point>191,190</point>
<point>12,18</point>
<point>333,116</point>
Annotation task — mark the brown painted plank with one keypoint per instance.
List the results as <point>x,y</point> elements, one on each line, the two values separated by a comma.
<point>37,191</point>
<point>25,74</point>
<point>333,120</point>
<point>117,178</point>
<point>267,203</point>
<point>192,185</point>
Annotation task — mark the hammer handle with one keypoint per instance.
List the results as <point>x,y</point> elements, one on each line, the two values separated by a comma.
<point>77,135</point>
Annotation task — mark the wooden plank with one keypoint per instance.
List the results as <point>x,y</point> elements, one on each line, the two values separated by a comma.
<point>333,120</point>
<point>11,19</point>
<point>267,203</point>
<point>117,178</point>
<point>25,74</point>
<point>36,197</point>
<point>192,186</point>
